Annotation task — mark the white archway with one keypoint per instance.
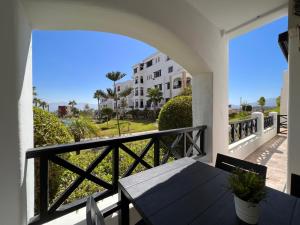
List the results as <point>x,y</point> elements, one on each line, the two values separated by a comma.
<point>178,30</point>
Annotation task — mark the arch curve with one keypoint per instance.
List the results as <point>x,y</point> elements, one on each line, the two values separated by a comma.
<point>118,18</point>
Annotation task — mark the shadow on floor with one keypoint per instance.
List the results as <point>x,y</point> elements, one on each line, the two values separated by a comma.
<point>263,154</point>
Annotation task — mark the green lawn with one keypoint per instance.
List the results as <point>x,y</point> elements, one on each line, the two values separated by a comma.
<point>127,126</point>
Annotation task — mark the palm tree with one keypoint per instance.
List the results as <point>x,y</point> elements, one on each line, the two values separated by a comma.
<point>278,101</point>
<point>155,96</point>
<point>43,104</point>
<point>34,93</point>
<point>98,95</point>
<point>112,93</point>
<point>72,103</point>
<point>261,101</point>
<point>36,101</point>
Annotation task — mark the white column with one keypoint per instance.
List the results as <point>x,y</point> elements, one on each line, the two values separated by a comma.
<point>202,85</point>
<point>260,122</point>
<point>284,96</point>
<point>16,134</point>
<point>274,115</point>
<point>294,93</point>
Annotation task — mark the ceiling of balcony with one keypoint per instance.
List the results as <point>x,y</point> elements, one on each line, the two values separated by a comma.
<point>230,14</point>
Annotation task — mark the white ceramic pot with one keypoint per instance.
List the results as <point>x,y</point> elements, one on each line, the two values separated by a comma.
<point>246,211</point>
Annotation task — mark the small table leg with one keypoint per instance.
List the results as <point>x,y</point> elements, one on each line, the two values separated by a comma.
<point>124,212</point>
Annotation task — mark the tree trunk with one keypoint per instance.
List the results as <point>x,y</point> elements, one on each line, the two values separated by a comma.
<point>117,111</point>
<point>99,109</point>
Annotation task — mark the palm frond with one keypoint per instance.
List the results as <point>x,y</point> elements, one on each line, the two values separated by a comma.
<point>115,76</point>
<point>125,92</point>
<point>111,93</point>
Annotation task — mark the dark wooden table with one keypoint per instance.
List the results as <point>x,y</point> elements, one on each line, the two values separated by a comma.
<point>190,192</point>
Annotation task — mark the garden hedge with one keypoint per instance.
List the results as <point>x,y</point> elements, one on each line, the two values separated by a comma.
<point>176,113</point>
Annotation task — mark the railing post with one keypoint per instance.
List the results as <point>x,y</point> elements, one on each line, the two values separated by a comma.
<point>156,151</point>
<point>233,132</point>
<point>259,122</point>
<point>115,167</point>
<point>240,130</point>
<point>184,144</point>
<point>202,143</point>
<point>44,186</point>
<point>278,124</point>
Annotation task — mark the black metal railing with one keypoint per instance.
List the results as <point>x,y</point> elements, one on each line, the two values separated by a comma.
<point>241,129</point>
<point>282,124</point>
<point>268,121</point>
<point>190,139</point>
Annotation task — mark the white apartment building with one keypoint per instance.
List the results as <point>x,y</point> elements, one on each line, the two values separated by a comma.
<point>158,71</point>
<point>121,86</point>
<point>155,71</point>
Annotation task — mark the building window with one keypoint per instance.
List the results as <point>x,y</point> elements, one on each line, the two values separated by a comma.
<point>141,103</point>
<point>142,91</point>
<point>136,92</point>
<point>188,81</point>
<point>155,86</point>
<point>136,103</point>
<point>141,66</point>
<point>135,70</point>
<point>149,63</point>
<point>170,69</point>
<point>157,60</point>
<point>136,80</point>
<point>160,86</point>
<point>177,83</point>
<point>118,88</point>
<point>168,85</point>
<point>168,58</point>
<point>141,79</point>
<point>157,73</point>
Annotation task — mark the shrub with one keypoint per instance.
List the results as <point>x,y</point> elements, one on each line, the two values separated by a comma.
<point>48,130</point>
<point>107,113</point>
<point>247,108</point>
<point>176,113</point>
<point>82,128</point>
<point>134,113</point>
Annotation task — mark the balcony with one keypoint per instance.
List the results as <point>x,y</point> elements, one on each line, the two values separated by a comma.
<point>159,148</point>
<point>199,41</point>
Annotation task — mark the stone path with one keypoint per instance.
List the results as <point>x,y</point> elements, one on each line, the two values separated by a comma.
<point>273,154</point>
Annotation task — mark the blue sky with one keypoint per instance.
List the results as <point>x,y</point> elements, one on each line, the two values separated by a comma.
<point>256,64</point>
<point>72,64</point>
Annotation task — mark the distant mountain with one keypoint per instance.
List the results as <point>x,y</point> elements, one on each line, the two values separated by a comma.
<point>54,105</point>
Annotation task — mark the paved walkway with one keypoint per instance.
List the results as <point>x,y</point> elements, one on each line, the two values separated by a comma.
<point>273,154</point>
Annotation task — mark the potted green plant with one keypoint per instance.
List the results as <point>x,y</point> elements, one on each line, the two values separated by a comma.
<point>248,189</point>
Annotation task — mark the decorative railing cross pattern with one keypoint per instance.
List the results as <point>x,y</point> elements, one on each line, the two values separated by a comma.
<point>192,139</point>
<point>282,124</point>
<point>242,129</point>
<point>268,121</point>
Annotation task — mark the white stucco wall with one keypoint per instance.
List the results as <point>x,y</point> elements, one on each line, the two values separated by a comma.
<point>16,133</point>
<point>294,93</point>
<point>284,96</point>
